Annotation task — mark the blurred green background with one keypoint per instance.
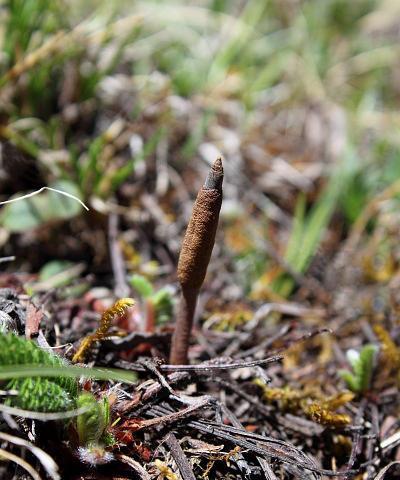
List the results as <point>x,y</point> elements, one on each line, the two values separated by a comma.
<point>110,99</point>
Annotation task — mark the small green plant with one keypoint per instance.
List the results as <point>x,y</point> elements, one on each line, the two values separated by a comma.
<point>38,394</point>
<point>160,300</point>
<point>362,363</point>
<point>308,229</point>
<point>92,424</point>
<point>57,393</point>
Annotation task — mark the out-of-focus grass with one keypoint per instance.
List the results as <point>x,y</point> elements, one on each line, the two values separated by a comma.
<point>276,55</point>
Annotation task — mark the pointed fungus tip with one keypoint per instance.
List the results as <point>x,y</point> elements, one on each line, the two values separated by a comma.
<point>217,167</point>
<point>215,176</point>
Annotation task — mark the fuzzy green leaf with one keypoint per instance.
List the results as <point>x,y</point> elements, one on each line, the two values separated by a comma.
<point>91,425</point>
<point>16,351</point>
<point>142,285</point>
<point>40,395</point>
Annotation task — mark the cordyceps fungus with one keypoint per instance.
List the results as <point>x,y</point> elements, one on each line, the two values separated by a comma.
<point>194,257</point>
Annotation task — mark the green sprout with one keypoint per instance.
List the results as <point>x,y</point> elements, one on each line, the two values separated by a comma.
<point>362,363</point>
<point>161,300</point>
<point>56,393</point>
<point>93,423</point>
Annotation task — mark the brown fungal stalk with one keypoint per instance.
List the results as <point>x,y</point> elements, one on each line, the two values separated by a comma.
<point>194,257</point>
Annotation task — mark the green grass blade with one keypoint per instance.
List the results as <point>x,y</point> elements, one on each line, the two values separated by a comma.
<point>22,371</point>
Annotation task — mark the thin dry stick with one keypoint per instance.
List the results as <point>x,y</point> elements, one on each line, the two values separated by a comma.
<point>7,259</point>
<point>182,462</point>
<point>194,258</point>
<point>44,458</point>
<point>6,455</point>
